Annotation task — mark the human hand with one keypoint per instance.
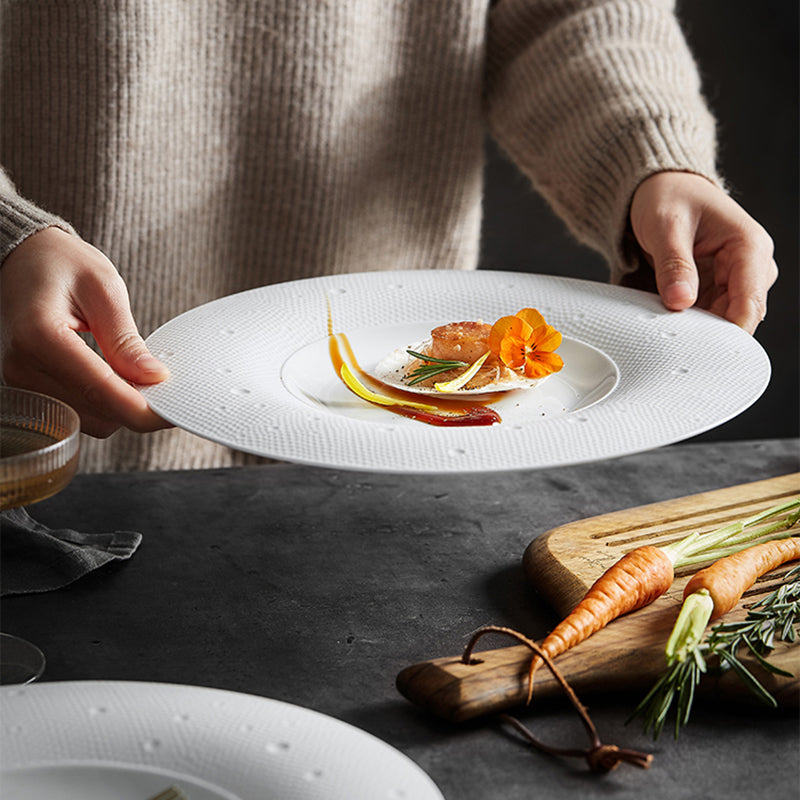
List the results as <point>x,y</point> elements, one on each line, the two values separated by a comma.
<point>52,286</point>
<point>703,247</point>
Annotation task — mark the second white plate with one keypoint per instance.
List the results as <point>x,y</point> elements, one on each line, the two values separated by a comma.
<point>90,740</point>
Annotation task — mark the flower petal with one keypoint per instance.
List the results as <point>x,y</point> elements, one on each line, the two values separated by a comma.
<point>533,317</point>
<point>539,364</point>
<point>512,351</point>
<point>547,338</point>
<point>505,326</point>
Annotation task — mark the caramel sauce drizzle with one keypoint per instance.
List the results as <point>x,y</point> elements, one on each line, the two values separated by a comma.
<point>450,411</point>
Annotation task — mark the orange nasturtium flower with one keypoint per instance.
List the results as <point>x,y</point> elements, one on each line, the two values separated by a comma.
<point>526,340</point>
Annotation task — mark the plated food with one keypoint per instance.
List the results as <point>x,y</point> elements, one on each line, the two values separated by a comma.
<point>461,359</point>
<point>475,357</point>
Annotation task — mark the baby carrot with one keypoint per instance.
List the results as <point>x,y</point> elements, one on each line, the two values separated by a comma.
<point>717,589</point>
<point>729,578</point>
<point>633,582</point>
<point>646,573</point>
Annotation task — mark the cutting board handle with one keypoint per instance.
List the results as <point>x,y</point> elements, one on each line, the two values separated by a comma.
<point>498,679</point>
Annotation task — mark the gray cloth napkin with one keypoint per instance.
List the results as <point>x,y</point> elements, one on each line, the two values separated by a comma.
<point>34,558</point>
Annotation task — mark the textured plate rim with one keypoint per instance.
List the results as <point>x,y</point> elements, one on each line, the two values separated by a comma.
<point>178,736</point>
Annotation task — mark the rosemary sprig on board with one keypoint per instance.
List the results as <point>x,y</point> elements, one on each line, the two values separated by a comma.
<point>431,367</point>
<point>775,616</point>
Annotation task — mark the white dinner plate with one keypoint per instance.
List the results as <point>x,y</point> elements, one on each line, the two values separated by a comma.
<point>97,740</point>
<point>253,371</point>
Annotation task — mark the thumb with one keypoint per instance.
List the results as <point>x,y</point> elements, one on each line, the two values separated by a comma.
<point>676,279</point>
<point>670,250</point>
<point>111,322</point>
<point>127,354</point>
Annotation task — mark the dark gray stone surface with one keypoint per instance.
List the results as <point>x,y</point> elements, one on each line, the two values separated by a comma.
<point>317,587</point>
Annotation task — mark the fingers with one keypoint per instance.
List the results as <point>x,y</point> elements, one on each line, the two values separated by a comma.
<point>108,316</point>
<point>744,270</point>
<point>108,400</point>
<point>747,291</point>
<point>67,368</point>
<point>54,286</point>
<point>669,244</point>
<point>676,279</point>
<point>704,248</point>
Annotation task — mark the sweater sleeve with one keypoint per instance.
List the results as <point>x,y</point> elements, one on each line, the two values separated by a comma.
<point>589,98</point>
<point>19,218</point>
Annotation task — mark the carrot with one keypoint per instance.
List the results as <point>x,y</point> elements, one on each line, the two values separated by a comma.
<point>770,619</point>
<point>647,572</point>
<point>729,578</point>
<point>633,582</point>
<point>717,589</point>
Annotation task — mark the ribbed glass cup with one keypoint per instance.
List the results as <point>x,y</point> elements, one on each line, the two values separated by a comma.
<point>38,446</point>
<point>20,661</point>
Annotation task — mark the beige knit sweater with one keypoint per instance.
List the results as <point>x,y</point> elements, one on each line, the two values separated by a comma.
<point>210,147</point>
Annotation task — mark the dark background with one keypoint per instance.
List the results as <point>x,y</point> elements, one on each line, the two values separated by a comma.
<point>747,53</point>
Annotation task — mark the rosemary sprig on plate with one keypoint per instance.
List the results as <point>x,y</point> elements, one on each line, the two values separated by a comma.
<point>432,367</point>
<point>775,616</point>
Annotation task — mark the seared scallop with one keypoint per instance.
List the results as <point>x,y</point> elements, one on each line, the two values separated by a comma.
<point>460,341</point>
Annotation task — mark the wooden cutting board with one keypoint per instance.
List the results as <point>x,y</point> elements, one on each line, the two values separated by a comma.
<point>629,653</point>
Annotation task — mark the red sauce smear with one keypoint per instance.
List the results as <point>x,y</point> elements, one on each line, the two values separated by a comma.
<point>450,411</point>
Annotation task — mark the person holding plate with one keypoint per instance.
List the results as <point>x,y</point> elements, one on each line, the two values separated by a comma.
<point>158,156</point>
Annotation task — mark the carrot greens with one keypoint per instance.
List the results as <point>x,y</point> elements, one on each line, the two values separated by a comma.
<point>702,547</point>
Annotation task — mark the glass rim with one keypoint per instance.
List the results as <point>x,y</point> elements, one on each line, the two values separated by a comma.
<point>25,654</point>
<point>71,424</point>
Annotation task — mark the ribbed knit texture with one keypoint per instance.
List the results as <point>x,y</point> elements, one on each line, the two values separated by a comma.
<point>589,99</point>
<point>208,148</point>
